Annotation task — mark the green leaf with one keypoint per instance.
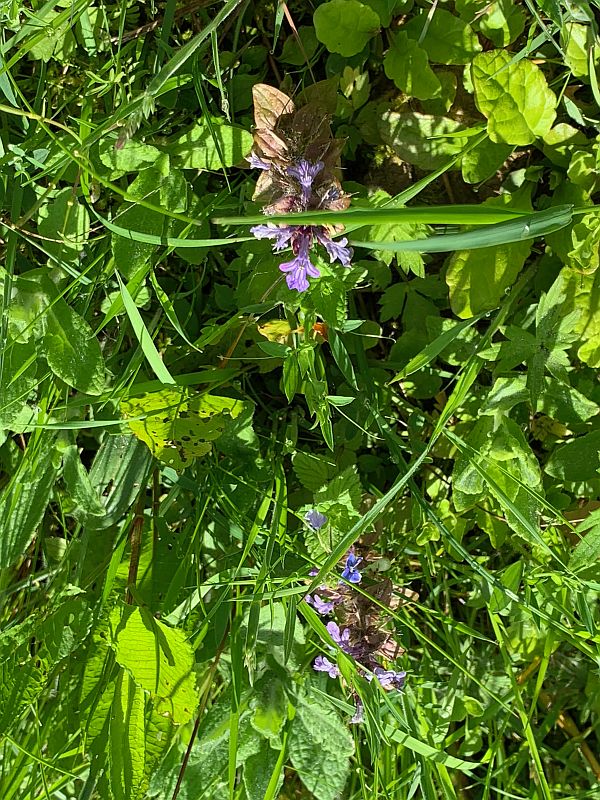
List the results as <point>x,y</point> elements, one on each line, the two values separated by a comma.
<point>133,156</point>
<point>582,295</point>
<point>19,369</point>
<point>269,705</point>
<point>126,740</point>
<point>71,349</point>
<point>432,350</point>
<point>503,22</point>
<point>577,40</point>
<point>143,335</point>
<point>78,483</point>
<point>65,224</point>
<point>153,185</point>
<point>24,498</point>
<point>211,146</point>
<point>420,138</point>
<point>312,470</point>
<point>406,64</point>
<point>320,747</point>
<point>585,253</point>
<point>482,161</point>
<point>499,461</point>
<point>159,659</point>
<point>292,53</point>
<point>578,460</point>
<point>179,425</point>
<point>587,551</point>
<point>477,280</point>
<point>447,39</point>
<point>263,774</point>
<point>345,26</point>
<point>515,98</point>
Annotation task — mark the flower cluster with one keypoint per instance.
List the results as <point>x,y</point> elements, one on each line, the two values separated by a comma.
<point>298,160</point>
<point>359,628</point>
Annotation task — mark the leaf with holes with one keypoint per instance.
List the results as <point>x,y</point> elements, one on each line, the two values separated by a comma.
<point>179,425</point>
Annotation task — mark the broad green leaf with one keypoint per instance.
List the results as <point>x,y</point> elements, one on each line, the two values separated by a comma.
<point>312,470</point>
<point>293,53</point>
<point>557,400</point>
<point>179,425</point>
<point>18,379</point>
<point>65,224</point>
<point>582,294</point>
<point>345,26</point>
<point>502,22</point>
<point>561,142</point>
<point>447,39</point>
<point>421,139</point>
<point>482,161</point>
<point>155,185</point>
<point>158,658</point>
<point>126,740</point>
<point>499,461</point>
<point>57,41</point>
<point>320,747</point>
<point>515,98</point>
<point>578,460</point>
<point>133,156</point>
<point>263,774</point>
<point>24,498</point>
<point>407,65</point>
<point>120,467</point>
<point>585,235</point>
<point>78,483</point>
<point>71,349</point>
<point>269,638</point>
<point>577,40</point>
<point>269,706</point>
<point>478,279</point>
<point>211,147</point>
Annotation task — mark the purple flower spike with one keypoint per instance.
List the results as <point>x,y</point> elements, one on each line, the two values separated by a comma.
<point>351,572</point>
<point>341,638</point>
<point>256,162</point>
<point>323,664</point>
<point>336,250</point>
<point>281,234</point>
<point>305,172</point>
<point>315,519</point>
<point>388,678</point>
<point>300,266</point>
<point>322,607</point>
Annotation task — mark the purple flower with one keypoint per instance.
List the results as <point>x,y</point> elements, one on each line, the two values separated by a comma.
<point>300,238</point>
<point>341,638</point>
<point>351,572</point>
<point>300,266</point>
<point>388,678</point>
<point>322,607</point>
<point>256,162</point>
<point>359,713</point>
<point>323,664</point>
<point>315,519</point>
<point>337,251</point>
<point>281,233</point>
<point>305,172</point>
